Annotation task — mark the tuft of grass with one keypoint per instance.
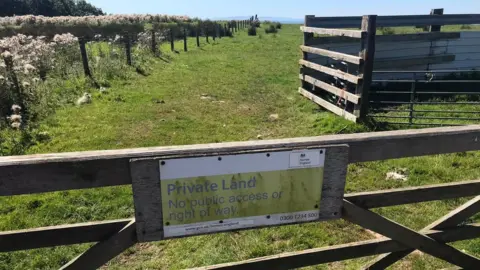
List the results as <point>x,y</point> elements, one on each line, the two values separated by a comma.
<point>271,29</point>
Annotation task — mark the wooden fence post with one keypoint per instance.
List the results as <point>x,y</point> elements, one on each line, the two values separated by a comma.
<point>217,29</point>
<point>226,28</point>
<point>172,43</point>
<point>154,43</point>
<point>83,52</point>
<point>369,25</point>
<point>185,39</point>
<point>197,33</point>
<point>436,28</point>
<point>206,35</point>
<point>128,48</point>
<point>306,38</point>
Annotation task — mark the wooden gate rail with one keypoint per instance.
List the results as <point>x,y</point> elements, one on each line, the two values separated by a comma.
<point>396,21</point>
<point>53,172</point>
<point>92,169</point>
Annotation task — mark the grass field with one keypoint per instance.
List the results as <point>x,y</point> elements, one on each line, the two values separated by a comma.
<point>223,91</point>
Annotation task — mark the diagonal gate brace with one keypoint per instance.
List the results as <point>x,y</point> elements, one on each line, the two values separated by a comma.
<point>450,220</point>
<point>406,236</point>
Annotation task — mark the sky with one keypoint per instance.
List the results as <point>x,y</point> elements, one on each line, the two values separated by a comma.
<point>282,8</point>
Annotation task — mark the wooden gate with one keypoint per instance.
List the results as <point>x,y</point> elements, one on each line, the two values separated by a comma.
<point>68,171</point>
<point>339,64</point>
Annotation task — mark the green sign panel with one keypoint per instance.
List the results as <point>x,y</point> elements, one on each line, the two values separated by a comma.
<point>213,194</point>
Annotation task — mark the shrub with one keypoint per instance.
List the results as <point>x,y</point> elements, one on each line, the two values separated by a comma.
<point>466,27</point>
<point>256,23</point>
<point>271,29</point>
<point>278,25</point>
<point>387,30</point>
<point>252,30</point>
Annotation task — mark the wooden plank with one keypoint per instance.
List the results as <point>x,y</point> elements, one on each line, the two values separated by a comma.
<point>330,88</point>
<point>410,195</point>
<point>330,71</point>
<point>306,40</point>
<point>386,63</point>
<point>327,105</point>
<point>336,55</point>
<point>406,236</point>
<point>450,220</point>
<point>366,68</point>
<point>394,21</point>
<point>60,235</point>
<point>433,36</point>
<point>297,259</point>
<point>104,251</point>
<point>29,174</point>
<point>332,32</point>
<point>148,203</point>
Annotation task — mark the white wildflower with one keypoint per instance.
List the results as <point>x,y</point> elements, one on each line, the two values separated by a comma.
<point>15,118</point>
<point>16,108</point>
<point>25,84</point>
<point>15,125</point>
<point>6,54</point>
<point>27,68</point>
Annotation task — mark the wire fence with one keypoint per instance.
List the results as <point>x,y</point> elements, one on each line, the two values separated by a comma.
<point>429,98</point>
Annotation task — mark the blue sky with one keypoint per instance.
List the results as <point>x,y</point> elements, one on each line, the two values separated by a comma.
<point>282,8</point>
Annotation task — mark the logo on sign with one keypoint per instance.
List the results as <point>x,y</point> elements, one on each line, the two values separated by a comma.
<point>305,159</point>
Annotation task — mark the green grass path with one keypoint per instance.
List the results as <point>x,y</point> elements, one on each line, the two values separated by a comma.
<point>242,80</point>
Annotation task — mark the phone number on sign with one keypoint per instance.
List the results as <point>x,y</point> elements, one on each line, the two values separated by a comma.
<point>299,217</point>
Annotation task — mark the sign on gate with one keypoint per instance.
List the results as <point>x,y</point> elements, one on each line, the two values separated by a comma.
<point>212,194</point>
<point>199,195</point>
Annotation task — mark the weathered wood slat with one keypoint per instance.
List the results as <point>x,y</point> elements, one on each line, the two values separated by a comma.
<point>406,236</point>
<point>327,105</point>
<point>60,235</point>
<point>393,21</point>
<point>366,68</point>
<point>336,55</point>
<point>78,170</point>
<point>409,195</point>
<point>386,63</point>
<point>104,251</point>
<point>450,220</point>
<point>98,231</point>
<point>433,36</point>
<point>330,88</point>
<point>330,71</point>
<point>332,32</point>
<point>291,260</point>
